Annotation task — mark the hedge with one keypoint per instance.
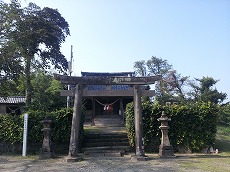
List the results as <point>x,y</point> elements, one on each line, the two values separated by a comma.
<point>192,126</point>
<point>11,128</point>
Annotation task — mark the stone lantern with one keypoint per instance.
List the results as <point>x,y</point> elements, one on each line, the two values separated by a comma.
<point>46,150</point>
<point>165,149</point>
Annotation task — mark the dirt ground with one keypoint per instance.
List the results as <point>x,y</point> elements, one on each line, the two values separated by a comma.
<point>93,164</point>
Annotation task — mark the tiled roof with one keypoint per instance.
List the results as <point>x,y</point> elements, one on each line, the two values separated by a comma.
<point>120,87</point>
<point>103,87</point>
<point>107,74</point>
<point>95,87</point>
<point>104,74</point>
<point>13,99</point>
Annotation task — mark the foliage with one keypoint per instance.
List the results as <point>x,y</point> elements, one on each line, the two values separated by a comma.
<point>46,93</point>
<point>32,37</point>
<point>192,125</point>
<point>10,67</point>
<point>130,123</point>
<point>140,68</point>
<point>170,87</point>
<point>204,91</point>
<point>11,127</point>
<point>224,117</point>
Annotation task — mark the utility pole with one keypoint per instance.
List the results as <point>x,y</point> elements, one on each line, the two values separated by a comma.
<point>69,73</point>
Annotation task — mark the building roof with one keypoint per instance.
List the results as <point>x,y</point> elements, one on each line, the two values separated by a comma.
<point>12,100</point>
<point>103,87</point>
<point>107,74</point>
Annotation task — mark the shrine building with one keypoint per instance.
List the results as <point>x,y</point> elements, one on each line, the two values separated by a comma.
<point>108,99</point>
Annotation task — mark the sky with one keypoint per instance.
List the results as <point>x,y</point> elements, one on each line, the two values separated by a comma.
<point>111,35</point>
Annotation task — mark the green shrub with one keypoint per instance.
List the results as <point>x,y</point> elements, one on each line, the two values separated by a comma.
<point>11,127</point>
<point>224,116</point>
<point>192,126</point>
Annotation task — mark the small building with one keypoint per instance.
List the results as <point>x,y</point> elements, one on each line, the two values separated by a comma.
<point>12,105</point>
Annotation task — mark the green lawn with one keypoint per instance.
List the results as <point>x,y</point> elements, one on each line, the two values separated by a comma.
<point>223,139</point>
<point>212,162</point>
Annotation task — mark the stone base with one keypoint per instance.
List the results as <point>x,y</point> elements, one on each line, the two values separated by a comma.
<point>72,159</point>
<point>166,151</point>
<point>139,158</point>
<point>45,154</point>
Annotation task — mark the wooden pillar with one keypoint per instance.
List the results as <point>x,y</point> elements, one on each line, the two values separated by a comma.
<point>74,138</point>
<point>139,138</point>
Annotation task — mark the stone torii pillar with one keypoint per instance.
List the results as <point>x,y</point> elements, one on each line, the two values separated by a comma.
<point>139,136</point>
<point>76,119</point>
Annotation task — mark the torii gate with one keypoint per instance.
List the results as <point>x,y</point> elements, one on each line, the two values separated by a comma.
<point>136,82</point>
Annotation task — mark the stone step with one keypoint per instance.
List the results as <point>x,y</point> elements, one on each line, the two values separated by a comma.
<point>104,153</point>
<point>107,138</point>
<point>105,135</point>
<point>108,122</point>
<point>109,151</point>
<point>101,143</point>
<point>122,139</point>
<point>106,148</point>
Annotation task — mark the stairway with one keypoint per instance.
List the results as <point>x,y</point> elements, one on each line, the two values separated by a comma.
<point>107,138</point>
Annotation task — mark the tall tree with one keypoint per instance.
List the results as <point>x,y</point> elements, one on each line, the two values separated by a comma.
<point>203,90</point>
<point>140,68</point>
<point>170,88</point>
<point>10,63</point>
<point>36,35</point>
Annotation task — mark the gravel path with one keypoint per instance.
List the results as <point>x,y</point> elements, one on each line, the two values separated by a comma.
<point>91,164</point>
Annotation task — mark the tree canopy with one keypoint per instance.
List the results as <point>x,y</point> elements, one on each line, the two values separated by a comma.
<point>203,90</point>
<point>173,86</point>
<point>31,38</point>
<point>170,87</point>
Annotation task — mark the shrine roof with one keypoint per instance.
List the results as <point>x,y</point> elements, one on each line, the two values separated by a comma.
<point>103,87</point>
<point>107,74</point>
<point>12,100</point>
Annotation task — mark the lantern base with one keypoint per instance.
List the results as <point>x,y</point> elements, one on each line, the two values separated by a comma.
<point>45,154</point>
<point>166,151</point>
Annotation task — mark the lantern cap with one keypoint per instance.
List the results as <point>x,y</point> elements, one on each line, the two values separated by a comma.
<point>164,117</point>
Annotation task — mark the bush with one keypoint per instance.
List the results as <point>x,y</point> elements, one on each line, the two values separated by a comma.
<point>192,126</point>
<point>224,117</point>
<point>11,128</point>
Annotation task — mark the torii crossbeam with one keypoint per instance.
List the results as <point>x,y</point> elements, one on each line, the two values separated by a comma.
<point>95,80</point>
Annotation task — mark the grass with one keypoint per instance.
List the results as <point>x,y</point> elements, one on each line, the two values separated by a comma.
<point>215,162</point>
<point>223,138</point>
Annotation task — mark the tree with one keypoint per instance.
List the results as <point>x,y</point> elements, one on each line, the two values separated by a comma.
<point>10,67</point>
<point>170,87</point>
<point>224,117</point>
<point>35,36</point>
<point>176,84</point>
<point>46,96</point>
<point>140,68</point>
<point>203,91</point>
